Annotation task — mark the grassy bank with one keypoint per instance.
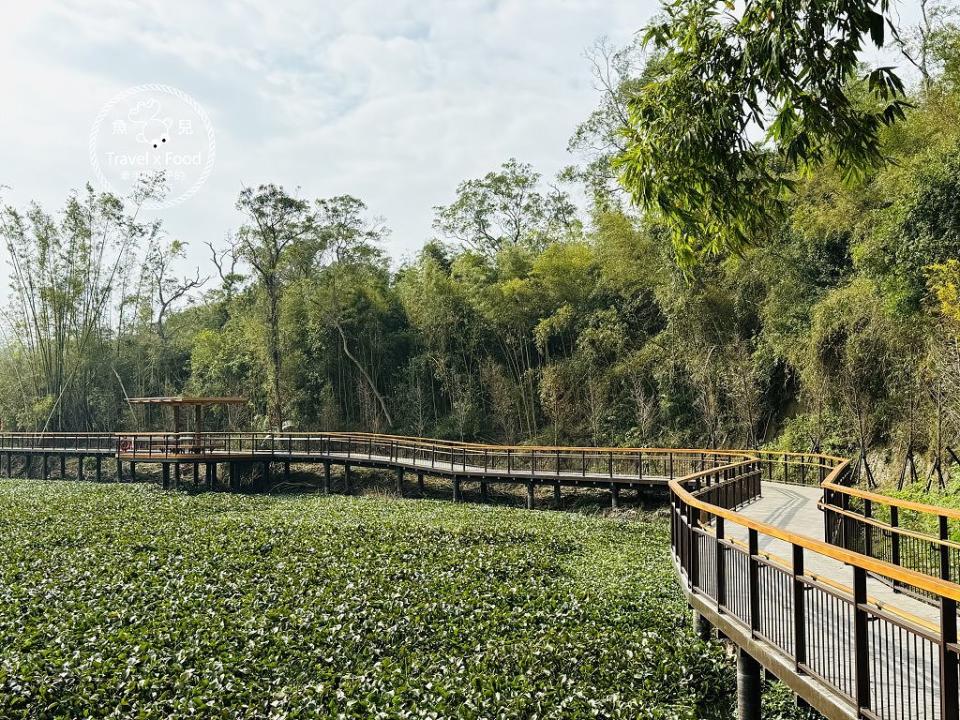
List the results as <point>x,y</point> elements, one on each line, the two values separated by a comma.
<point>126,601</point>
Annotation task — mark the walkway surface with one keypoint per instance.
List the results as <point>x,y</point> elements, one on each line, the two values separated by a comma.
<point>794,508</point>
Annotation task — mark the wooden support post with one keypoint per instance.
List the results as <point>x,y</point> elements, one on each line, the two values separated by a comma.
<point>484,491</point>
<point>165,470</point>
<point>45,466</point>
<point>326,477</point>
<point>614,496</point>
<point>400,481</point>
<point>531,498</point>
<point>456,489</point>
<point>749,686</point>
<point>196,474</point>
<point>80,459</point>
<point>557,500</point>
<point>266,474</point>
<point>27,465</point>
<point>213,476</point>
<point>208,475</point>
<point>99,468</point>
<point>347,478</point>
<point>133,471</point>
<point>420,487</point>
<point>177,469</point>
<point>234,474</point>
<point>119,470</point>
<point>286,471</point>
<point>8,461</point>
<point>63,466</point>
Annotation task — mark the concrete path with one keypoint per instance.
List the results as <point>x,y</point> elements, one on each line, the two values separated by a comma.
<point>794,508</point>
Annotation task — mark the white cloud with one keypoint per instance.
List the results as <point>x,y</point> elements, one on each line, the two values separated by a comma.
<point>393,101</point>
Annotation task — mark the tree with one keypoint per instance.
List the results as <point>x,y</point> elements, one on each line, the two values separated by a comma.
<point>66,272</point>
<point>919,44</point>
<point>166,290</point>
<point>277,223</point>
<point>355,266</point>
<point>505,209</point>
<point>740,100</point>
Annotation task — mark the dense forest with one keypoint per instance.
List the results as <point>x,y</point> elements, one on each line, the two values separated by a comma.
<point>542,311</point>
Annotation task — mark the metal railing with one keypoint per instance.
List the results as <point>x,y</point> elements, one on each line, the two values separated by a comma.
<point>903,533</point>
<point>73,443</point>
<point>447,457</point>
<point>882,665</point>
<point>541,463</point>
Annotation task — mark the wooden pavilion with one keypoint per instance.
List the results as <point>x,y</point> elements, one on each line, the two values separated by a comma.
<point>178,402</point>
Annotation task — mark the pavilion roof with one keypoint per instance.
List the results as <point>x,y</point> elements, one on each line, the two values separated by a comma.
<point>181,400</point>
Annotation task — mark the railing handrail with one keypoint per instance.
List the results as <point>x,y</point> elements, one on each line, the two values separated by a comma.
<point>442,443</point>
<point>891,501</point>
<point>936,586</point>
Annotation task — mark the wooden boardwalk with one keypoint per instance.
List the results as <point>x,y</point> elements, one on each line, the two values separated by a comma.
<point>237,456</point>
<point>822,618</point>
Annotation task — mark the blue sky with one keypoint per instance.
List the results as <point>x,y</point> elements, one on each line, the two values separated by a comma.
<point>394,101</point>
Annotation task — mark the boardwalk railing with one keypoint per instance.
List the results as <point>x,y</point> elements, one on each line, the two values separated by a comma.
<point>903,533</point>
<point>73,443</point>
<point>881,665</point>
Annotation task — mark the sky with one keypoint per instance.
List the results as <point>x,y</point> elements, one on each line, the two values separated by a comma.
<point>395,101</point>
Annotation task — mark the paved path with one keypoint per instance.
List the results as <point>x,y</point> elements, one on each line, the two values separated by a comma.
<point>794,508</point>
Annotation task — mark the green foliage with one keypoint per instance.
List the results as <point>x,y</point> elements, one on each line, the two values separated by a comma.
<point>506,209</point>
<point>739,99</point>
<point>130,601</point>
